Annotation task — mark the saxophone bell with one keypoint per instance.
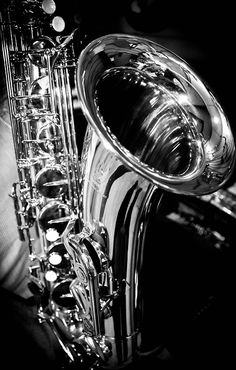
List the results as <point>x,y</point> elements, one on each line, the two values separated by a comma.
<point>153,125</point>
<point>168,125</point>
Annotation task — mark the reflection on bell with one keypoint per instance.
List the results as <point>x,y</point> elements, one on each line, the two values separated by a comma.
<point>149,121</point>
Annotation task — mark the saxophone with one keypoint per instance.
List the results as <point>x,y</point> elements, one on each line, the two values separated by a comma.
<point>152,125</point>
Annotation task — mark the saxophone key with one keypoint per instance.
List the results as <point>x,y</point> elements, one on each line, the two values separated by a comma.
<point>51,182</point>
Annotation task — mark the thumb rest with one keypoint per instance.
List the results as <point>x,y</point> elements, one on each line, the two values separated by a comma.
<point>85,214</point>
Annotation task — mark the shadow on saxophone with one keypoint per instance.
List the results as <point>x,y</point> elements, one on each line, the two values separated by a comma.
<point>153,126</point>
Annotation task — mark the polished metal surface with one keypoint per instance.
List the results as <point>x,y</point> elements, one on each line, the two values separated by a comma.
<point>153,125</point>
<point>167,126</point>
